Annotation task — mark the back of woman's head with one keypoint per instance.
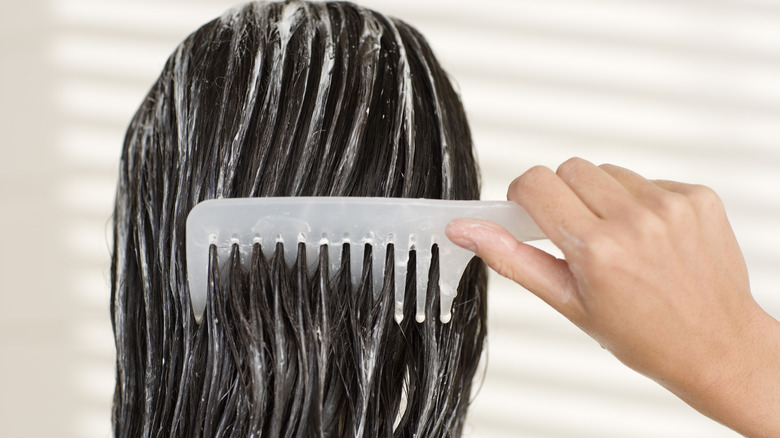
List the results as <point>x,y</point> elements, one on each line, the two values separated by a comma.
<point>288,99</point>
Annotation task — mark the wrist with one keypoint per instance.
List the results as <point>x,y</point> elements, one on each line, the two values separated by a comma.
<point>739,383</point>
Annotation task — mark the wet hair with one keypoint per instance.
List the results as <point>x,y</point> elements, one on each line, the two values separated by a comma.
<point>289,99</point>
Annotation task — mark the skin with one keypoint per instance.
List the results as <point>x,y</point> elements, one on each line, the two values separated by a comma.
<point>652,271</point>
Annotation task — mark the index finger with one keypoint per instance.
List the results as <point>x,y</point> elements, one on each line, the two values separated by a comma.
<point>553,205</point>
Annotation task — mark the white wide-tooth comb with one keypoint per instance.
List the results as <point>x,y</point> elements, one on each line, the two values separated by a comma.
<point>408,224</point>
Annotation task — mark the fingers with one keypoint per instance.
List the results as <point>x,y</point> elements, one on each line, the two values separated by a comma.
<point>702,201</point>
<point>544,275</point>
<point>580,207</point>
<point>553,205</point>
<point>667,197</point>
<point>700,196</point>
<point>651,190</point>
<point>634,183</point>
<point>674,186</point>
<point>597,189</point>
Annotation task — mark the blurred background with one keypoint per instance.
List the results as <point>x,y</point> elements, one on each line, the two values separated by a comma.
<point>678,89</point>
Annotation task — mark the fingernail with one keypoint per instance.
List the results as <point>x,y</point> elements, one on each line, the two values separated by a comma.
<point>455,232</point>
<point>464,243</point>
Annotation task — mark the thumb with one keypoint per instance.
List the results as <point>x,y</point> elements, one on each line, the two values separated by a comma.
<point>541,273</point>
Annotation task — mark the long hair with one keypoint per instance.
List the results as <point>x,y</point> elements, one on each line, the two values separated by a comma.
<point>289,99</point>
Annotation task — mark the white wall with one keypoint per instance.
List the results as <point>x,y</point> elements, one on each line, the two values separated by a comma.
<point>677,89</point>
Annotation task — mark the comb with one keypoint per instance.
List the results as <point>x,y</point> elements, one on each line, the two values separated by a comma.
<point>407,224</point>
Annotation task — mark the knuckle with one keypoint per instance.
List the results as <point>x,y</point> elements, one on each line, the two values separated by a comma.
<point>674,206</point>
<point>569,167</point>
<point>704,198</point>
<point>535,173</point>
<point>530,178</point>
<point>503,267</point>
<point>648,222</point>
<point>503,270</point>
<point>650,228</point>
<point>602,250</point>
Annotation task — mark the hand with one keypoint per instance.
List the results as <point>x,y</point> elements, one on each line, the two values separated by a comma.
<point>652,272</point>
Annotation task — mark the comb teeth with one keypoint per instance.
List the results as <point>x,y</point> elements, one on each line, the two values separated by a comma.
<point>347,225</point>
<point>340,245</point>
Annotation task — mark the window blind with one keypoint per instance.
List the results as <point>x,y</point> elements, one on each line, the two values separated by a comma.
<point>686,90</point>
